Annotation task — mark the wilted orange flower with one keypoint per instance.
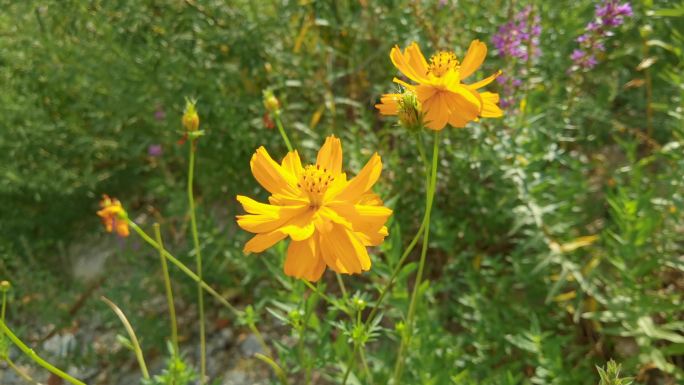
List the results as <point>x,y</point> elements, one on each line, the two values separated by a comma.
<point>331,220</point>
<point>113,216</point>
<point>443,96</point>
<point>190,117</point>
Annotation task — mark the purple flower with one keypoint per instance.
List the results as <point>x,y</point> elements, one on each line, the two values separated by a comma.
<point>517,39</point>
<point>155,150</point>
<point>608,15</point>
<point>159,113</point>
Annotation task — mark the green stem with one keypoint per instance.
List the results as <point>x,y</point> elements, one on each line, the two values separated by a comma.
<point>260,338</point>
<point>131,334</point>
<point>4,305</point>
<point>278,371</point>
<point>185,269</point>
<point>395,273</point>
<point>279,123</point>
<point>20,372</point>
<point>326,298</point>
<point>35,358</point>
<point>302,337</point>
<point>366,369</point>
<point>198,260</point>
<point>350,363</point>
<point>169,290</point>
<point>343,289</point>
<point>421,266</point>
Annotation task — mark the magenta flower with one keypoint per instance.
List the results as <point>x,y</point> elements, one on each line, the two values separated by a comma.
<point>608,15</point>
<point>518,39</point>
<point>155,150</point>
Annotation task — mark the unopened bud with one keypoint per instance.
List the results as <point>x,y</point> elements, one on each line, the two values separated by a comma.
<point>271,102</point>
<point>5,285</point>
<point>190,118</point>
<point>410,114</point>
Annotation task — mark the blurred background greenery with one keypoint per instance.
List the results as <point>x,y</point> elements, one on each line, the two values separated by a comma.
<point>557,237</point>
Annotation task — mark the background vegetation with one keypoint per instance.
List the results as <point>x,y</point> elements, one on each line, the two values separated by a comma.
<point>557,233</point>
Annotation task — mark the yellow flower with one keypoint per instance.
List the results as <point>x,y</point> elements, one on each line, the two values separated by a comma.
<point>440,91</point>
<point>113,216</point>
<point>330,220</point>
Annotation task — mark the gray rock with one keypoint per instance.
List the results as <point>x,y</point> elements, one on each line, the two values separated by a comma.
<point>251,346</point>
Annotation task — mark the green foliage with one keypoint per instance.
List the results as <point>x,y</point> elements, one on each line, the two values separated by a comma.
<point>611,375</point>
<point>556,237</point>
<point>176,372</point>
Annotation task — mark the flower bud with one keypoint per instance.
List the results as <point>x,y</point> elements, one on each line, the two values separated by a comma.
<point>271,102</point>
<point>190,118</point>
<point>5,286</point>
<point>410,115</point>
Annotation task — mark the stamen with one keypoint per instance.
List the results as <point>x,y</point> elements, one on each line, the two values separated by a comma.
<point>442,62</point>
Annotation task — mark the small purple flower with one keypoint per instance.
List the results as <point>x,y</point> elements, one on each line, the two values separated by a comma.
<point>518,39</point>
<point>155,150</point>
<point>159,113</point>
<point>608,15</point>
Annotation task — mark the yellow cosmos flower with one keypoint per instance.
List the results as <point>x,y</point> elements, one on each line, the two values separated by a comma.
<point>113,216</point>
<point>329,219</point>
<point>443,96</point>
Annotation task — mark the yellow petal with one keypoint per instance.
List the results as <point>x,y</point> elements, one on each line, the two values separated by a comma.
<point>373,239</point>
<point>461,109</point>
<point>473,58</point>
<point>292,164</point>
<point>271,175</point>
<point>254,207</point>
<point>401,61</point>
<point>330,155</point>
<point>367,219</point>
<point>300,227</point>
<point>388,104</point>
<point>485,81</point>
<point>304,260</point>
<point>122,228</point>
<point>416,60</point>
<point>262,223</point>
<point>359,185</point>
<point>425,92</point>
<point>490,109</point>
<point>344,252</point>
<point>261,242</point>
<point>404,84</point>
<point>436,112</point>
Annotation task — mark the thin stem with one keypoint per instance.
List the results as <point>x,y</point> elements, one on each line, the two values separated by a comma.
<point>260,338</point>
<point>4,305</point>
<point>184,269</point>
<point>169,290</point>
<point>342,287</point>
<point>421,266</point>
<point>350,363</point>
<point>35,358</point>
<point>326,298</point>
<point>20,372</point>
<point>279,123</point>
<point>131,334</point>
<point>366,369</point>
<point>198,260</point>
<point>277,369</point>
<point>302,337</point>
<point>395,273</point>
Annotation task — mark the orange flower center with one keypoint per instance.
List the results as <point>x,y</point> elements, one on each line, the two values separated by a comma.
<point>315,181</point>
<point>442,62</point>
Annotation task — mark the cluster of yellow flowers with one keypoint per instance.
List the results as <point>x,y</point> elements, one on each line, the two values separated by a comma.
<point>332,219</point>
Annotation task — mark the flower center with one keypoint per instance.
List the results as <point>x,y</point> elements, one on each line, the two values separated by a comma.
<point>442,62</point>
<point>315,181</point>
